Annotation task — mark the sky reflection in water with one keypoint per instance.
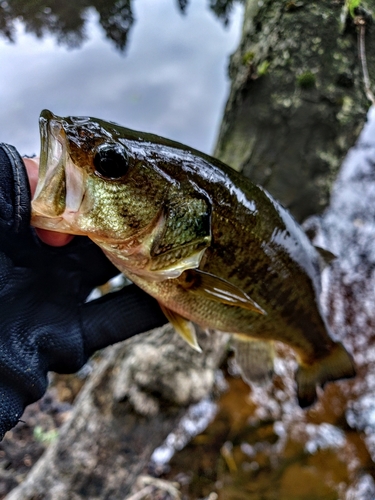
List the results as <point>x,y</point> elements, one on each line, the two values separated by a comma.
<point>171,80</point>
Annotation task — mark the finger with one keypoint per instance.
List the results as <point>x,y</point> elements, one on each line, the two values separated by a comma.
<point>53,238</point>
<point>32,168</point>
<point>119,316</point>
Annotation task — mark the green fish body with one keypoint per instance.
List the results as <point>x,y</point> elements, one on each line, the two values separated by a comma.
<point>210,246</point>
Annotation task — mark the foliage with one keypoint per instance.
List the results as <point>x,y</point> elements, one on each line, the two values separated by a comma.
<point>306,80</point>
<point>182,4</point>
<point>263,68</point>
<point>46,437</point>
<point>116,19</point>
<point>222,8</point>
<point>352,5</point>
<point>66,20</point>
<point>248,57</point>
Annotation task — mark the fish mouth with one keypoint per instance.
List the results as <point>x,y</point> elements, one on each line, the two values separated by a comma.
<point>60,188</point>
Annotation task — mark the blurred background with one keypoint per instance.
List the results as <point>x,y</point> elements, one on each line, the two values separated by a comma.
<point>158,66</point>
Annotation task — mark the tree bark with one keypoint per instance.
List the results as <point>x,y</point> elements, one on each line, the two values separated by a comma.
<point>297,101</point>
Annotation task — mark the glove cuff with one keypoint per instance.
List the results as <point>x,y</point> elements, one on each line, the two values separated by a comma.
<point>13,403</point>
<point>14,191</point>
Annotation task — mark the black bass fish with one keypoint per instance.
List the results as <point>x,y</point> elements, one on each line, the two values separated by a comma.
<point>209,245</point>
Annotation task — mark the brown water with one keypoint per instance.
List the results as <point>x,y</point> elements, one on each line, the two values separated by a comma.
<point>242,457</point>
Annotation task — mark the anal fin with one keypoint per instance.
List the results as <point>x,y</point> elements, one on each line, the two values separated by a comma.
<point>183,327</point>
<point>255,358</point>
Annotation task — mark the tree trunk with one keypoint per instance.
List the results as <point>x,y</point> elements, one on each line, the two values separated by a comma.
<point>297,101</point>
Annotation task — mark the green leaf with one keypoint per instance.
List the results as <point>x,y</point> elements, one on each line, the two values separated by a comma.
<point>352,5</point>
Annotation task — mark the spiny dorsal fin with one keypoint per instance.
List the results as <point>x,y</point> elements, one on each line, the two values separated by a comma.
<point>254,357</point>
<point>182,326</point>
<point>214,288</point>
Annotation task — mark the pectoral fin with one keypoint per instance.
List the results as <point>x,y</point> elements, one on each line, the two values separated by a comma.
<point>183,327</point>
<point>255,358</point>
<point>214,288</point>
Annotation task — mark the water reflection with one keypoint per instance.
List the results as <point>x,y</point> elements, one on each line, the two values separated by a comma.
<point>67,20</point>
<point>172,80</point>
<point>221,8</point>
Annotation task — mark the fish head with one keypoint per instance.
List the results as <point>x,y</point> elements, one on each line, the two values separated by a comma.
<point>113,185</point>
<point>93,180</point>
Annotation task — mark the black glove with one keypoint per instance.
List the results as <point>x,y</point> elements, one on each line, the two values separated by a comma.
<point>44,322</point>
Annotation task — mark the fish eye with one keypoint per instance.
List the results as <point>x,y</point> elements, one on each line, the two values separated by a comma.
<point>111,161</point>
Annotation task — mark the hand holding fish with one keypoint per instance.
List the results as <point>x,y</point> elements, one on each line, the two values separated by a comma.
<point>45,322</point>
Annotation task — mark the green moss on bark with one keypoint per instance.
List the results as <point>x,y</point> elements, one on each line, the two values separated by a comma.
<point>290,129</point>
